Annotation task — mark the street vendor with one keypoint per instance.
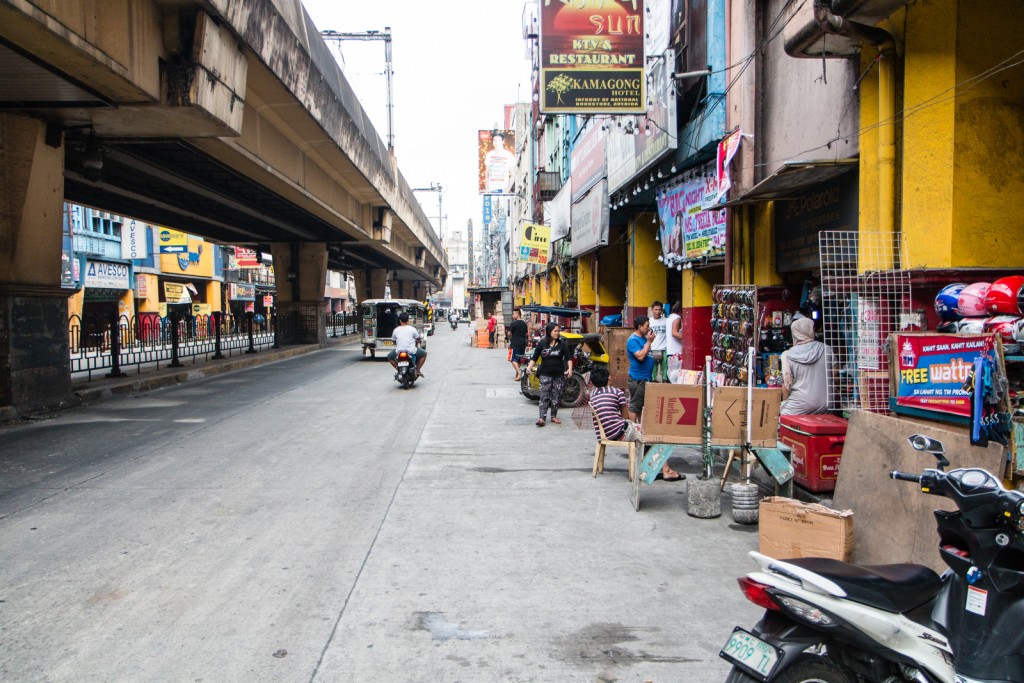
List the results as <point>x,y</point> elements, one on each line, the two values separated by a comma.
<point>805,369</point>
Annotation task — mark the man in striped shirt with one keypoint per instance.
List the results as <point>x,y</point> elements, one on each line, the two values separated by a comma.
<point>610,407</point>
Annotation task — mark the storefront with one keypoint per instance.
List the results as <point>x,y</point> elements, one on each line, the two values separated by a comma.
<point>106,290</point>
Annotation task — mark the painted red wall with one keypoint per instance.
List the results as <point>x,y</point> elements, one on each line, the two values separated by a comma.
<point>696,336</point>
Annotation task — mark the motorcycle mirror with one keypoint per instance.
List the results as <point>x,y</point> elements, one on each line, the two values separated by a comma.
<point>920,442</point>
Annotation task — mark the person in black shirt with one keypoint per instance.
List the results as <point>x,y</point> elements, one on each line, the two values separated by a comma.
<point>517,332</point>
<point>555,366</point>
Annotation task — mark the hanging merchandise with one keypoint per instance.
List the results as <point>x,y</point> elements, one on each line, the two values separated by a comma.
<point>947,301</point>
<point>1003,295</point>
<point>971,302</point>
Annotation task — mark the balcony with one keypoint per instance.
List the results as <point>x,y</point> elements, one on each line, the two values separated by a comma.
<point>548,185</point>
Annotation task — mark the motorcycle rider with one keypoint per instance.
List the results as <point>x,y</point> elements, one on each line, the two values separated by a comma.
<point>406,338</point>
<point>453,319</point>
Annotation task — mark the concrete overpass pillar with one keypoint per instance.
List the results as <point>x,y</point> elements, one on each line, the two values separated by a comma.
<point>300,274</point>
<point>370,283</point>
<point>34,365</point>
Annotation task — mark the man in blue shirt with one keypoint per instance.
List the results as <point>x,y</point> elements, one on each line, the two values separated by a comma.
<point>641,363</point>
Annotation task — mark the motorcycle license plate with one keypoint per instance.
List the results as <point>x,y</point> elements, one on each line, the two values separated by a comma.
<point>751,653</point>
<point>403,364</point>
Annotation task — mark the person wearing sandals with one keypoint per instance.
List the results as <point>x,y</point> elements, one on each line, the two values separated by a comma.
<point>555,365</point>
<point>517,333</point>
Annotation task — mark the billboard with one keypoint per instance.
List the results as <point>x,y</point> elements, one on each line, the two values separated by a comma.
<point>934,368</point>
<point>172,241</point>
<point>496,159</point>
<point>592,57</point>
<point>588,162</point>
<point>689,228</point>
<point>535,244</point>
<point>590,220</point>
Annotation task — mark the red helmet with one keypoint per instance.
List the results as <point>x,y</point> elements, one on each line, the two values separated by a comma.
<point>1005,326</point>
<point>1002,295</point>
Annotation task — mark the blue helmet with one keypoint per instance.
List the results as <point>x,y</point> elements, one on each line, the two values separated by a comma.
<point>947,300</point>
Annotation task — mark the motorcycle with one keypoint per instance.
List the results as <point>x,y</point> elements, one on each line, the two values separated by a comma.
<point>454,322</point>
<point>827,621</point>
<point>405,373</point>
<point>587,351</point>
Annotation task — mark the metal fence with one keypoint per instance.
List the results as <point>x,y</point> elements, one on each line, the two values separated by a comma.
<point>97,343</point>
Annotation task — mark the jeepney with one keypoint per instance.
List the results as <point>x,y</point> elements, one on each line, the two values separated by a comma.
<point>380,318</point>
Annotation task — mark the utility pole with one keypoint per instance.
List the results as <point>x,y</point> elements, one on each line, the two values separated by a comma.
<point>338,37</point>
<point>439,189</point>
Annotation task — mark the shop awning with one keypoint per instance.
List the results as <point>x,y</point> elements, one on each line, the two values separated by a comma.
<point>792,179</point>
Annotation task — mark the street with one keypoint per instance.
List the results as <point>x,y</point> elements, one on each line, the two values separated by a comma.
<point>309,520</point>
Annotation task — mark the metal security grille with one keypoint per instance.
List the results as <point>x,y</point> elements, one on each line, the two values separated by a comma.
<point>865,297</point>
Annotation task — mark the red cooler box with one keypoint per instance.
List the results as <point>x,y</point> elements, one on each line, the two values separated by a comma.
<point>817,443</point>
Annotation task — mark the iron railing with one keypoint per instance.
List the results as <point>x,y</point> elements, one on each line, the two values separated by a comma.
<point>113,344</point>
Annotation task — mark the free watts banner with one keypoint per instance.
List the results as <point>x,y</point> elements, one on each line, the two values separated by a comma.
<point>592,56</point>
<point>688,230</point>
<point>933,369</point>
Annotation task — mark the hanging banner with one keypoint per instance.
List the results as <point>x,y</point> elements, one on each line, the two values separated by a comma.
<point>592,57</point>
<point>133,240</point>
<point>172,241</point>
<point>727,149</point>
<point>688,230</point>
<point>588,162</point>
<point>496,158</point>
<point>932,369</point>
<point>535,244</point>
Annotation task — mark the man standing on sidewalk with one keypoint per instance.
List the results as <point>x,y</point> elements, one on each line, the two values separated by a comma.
<point>492,326</point>
<point>517,333</point>
<point>659,325</point>
<point>641,363</point>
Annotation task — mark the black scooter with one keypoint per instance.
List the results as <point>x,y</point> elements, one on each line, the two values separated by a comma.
<point>406,372</point>
<point>831,622</point>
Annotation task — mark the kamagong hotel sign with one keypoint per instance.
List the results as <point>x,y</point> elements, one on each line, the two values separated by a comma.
<point>592,57</point>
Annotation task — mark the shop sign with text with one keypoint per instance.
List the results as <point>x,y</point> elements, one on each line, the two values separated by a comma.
<point>932,370</point>
<point>592,57</point>
<point>535,244</point>
<point>172,241</point>
<point>133,240</point>
<point>831,205</point>
<point>590,220</point>
<point>690,230</point>
<point>106,275</point>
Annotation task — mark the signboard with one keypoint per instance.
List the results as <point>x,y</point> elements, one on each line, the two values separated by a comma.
<point>268,301</point>
<point>133,241</point>
<point>497,159</point>
<point>631,154</point>
<point>202,309</point>
<point>558,212</point>
<point>592,57</point>
<point>172,241</point>
<point>176,293</point>
<point>727,149</point>
<point>535,244</point>
<point>931,370</point>
<point>141,287</point>
<point>689,230</point>
<point>831,205</point>
<point>588,161</point>
<point>240,292</point>
<point>106,275</point>
<point>246,258</point>
<point>590,219</point>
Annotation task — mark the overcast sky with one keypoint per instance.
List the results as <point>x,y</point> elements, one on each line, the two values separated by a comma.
<point>456,64</point>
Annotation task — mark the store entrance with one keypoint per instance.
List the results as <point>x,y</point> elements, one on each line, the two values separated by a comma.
<point>673,287</point>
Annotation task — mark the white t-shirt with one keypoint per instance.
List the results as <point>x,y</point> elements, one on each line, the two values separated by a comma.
<point>405,337</point>
<point>659,326</point>
<point>675,347</point>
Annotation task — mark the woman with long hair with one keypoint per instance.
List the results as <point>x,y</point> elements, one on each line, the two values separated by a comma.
<point>555,365</point>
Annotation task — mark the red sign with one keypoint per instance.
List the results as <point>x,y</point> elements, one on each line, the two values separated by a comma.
<point>933,368</point>
<point>268,301</point>
<point>246,258</point>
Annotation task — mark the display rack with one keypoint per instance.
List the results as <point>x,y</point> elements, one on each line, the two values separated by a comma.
<point>734,330</point>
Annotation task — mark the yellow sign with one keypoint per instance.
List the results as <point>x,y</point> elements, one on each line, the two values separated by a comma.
<point>162,309</point>
<point>535,244</point>
<point>172,241</point>
<point>202,309</point>
<point>176,293</point>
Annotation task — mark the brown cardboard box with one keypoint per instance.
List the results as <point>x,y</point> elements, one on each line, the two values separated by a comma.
<point>789,528</point>
<point>615,341</point>
<point>673,413</point>
<point>729,405</point>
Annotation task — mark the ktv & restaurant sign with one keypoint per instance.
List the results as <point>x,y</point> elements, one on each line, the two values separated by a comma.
<point>592,57</point>
<point>932,370</point>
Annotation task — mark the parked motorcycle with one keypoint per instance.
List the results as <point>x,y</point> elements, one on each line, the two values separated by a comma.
<point>406,372</point>
<point>831,622</point>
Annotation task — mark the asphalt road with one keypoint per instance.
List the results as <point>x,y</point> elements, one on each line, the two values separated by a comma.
<point>309,520</point>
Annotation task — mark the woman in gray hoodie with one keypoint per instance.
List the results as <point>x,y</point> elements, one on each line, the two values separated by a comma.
<point>805,369</point>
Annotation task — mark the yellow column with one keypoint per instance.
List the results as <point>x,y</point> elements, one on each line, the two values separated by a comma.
<point>586,293</point>
<point>213,295</point>
<point>645,277</point>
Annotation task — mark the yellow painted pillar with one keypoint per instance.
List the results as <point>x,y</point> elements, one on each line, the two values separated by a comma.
<point>645,276</point>
<point>213,295</point>
<point>586,292</point>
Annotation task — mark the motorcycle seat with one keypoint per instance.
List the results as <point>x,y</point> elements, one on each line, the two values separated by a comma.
<point>889,587</point>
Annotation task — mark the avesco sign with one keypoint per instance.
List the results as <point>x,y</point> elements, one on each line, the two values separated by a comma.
<point>107,275</point>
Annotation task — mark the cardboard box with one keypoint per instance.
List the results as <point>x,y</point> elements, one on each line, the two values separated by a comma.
<point>789,528</point>
<point>673,413</point>
<point>728,411</point>
<point>615,341</point>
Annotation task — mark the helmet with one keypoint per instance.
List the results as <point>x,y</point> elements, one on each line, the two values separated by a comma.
<point>947,300</point>
<point>971,326</point>
<point>950,326</point>
<point>1002,295</point>
<point>971,302</point>
<point>1003,325</point>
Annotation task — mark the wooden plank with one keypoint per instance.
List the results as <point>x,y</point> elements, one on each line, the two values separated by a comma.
<point>775,462</point>
<point>893,520</point>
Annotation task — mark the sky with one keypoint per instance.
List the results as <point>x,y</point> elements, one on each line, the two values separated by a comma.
<point>456,65</point>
